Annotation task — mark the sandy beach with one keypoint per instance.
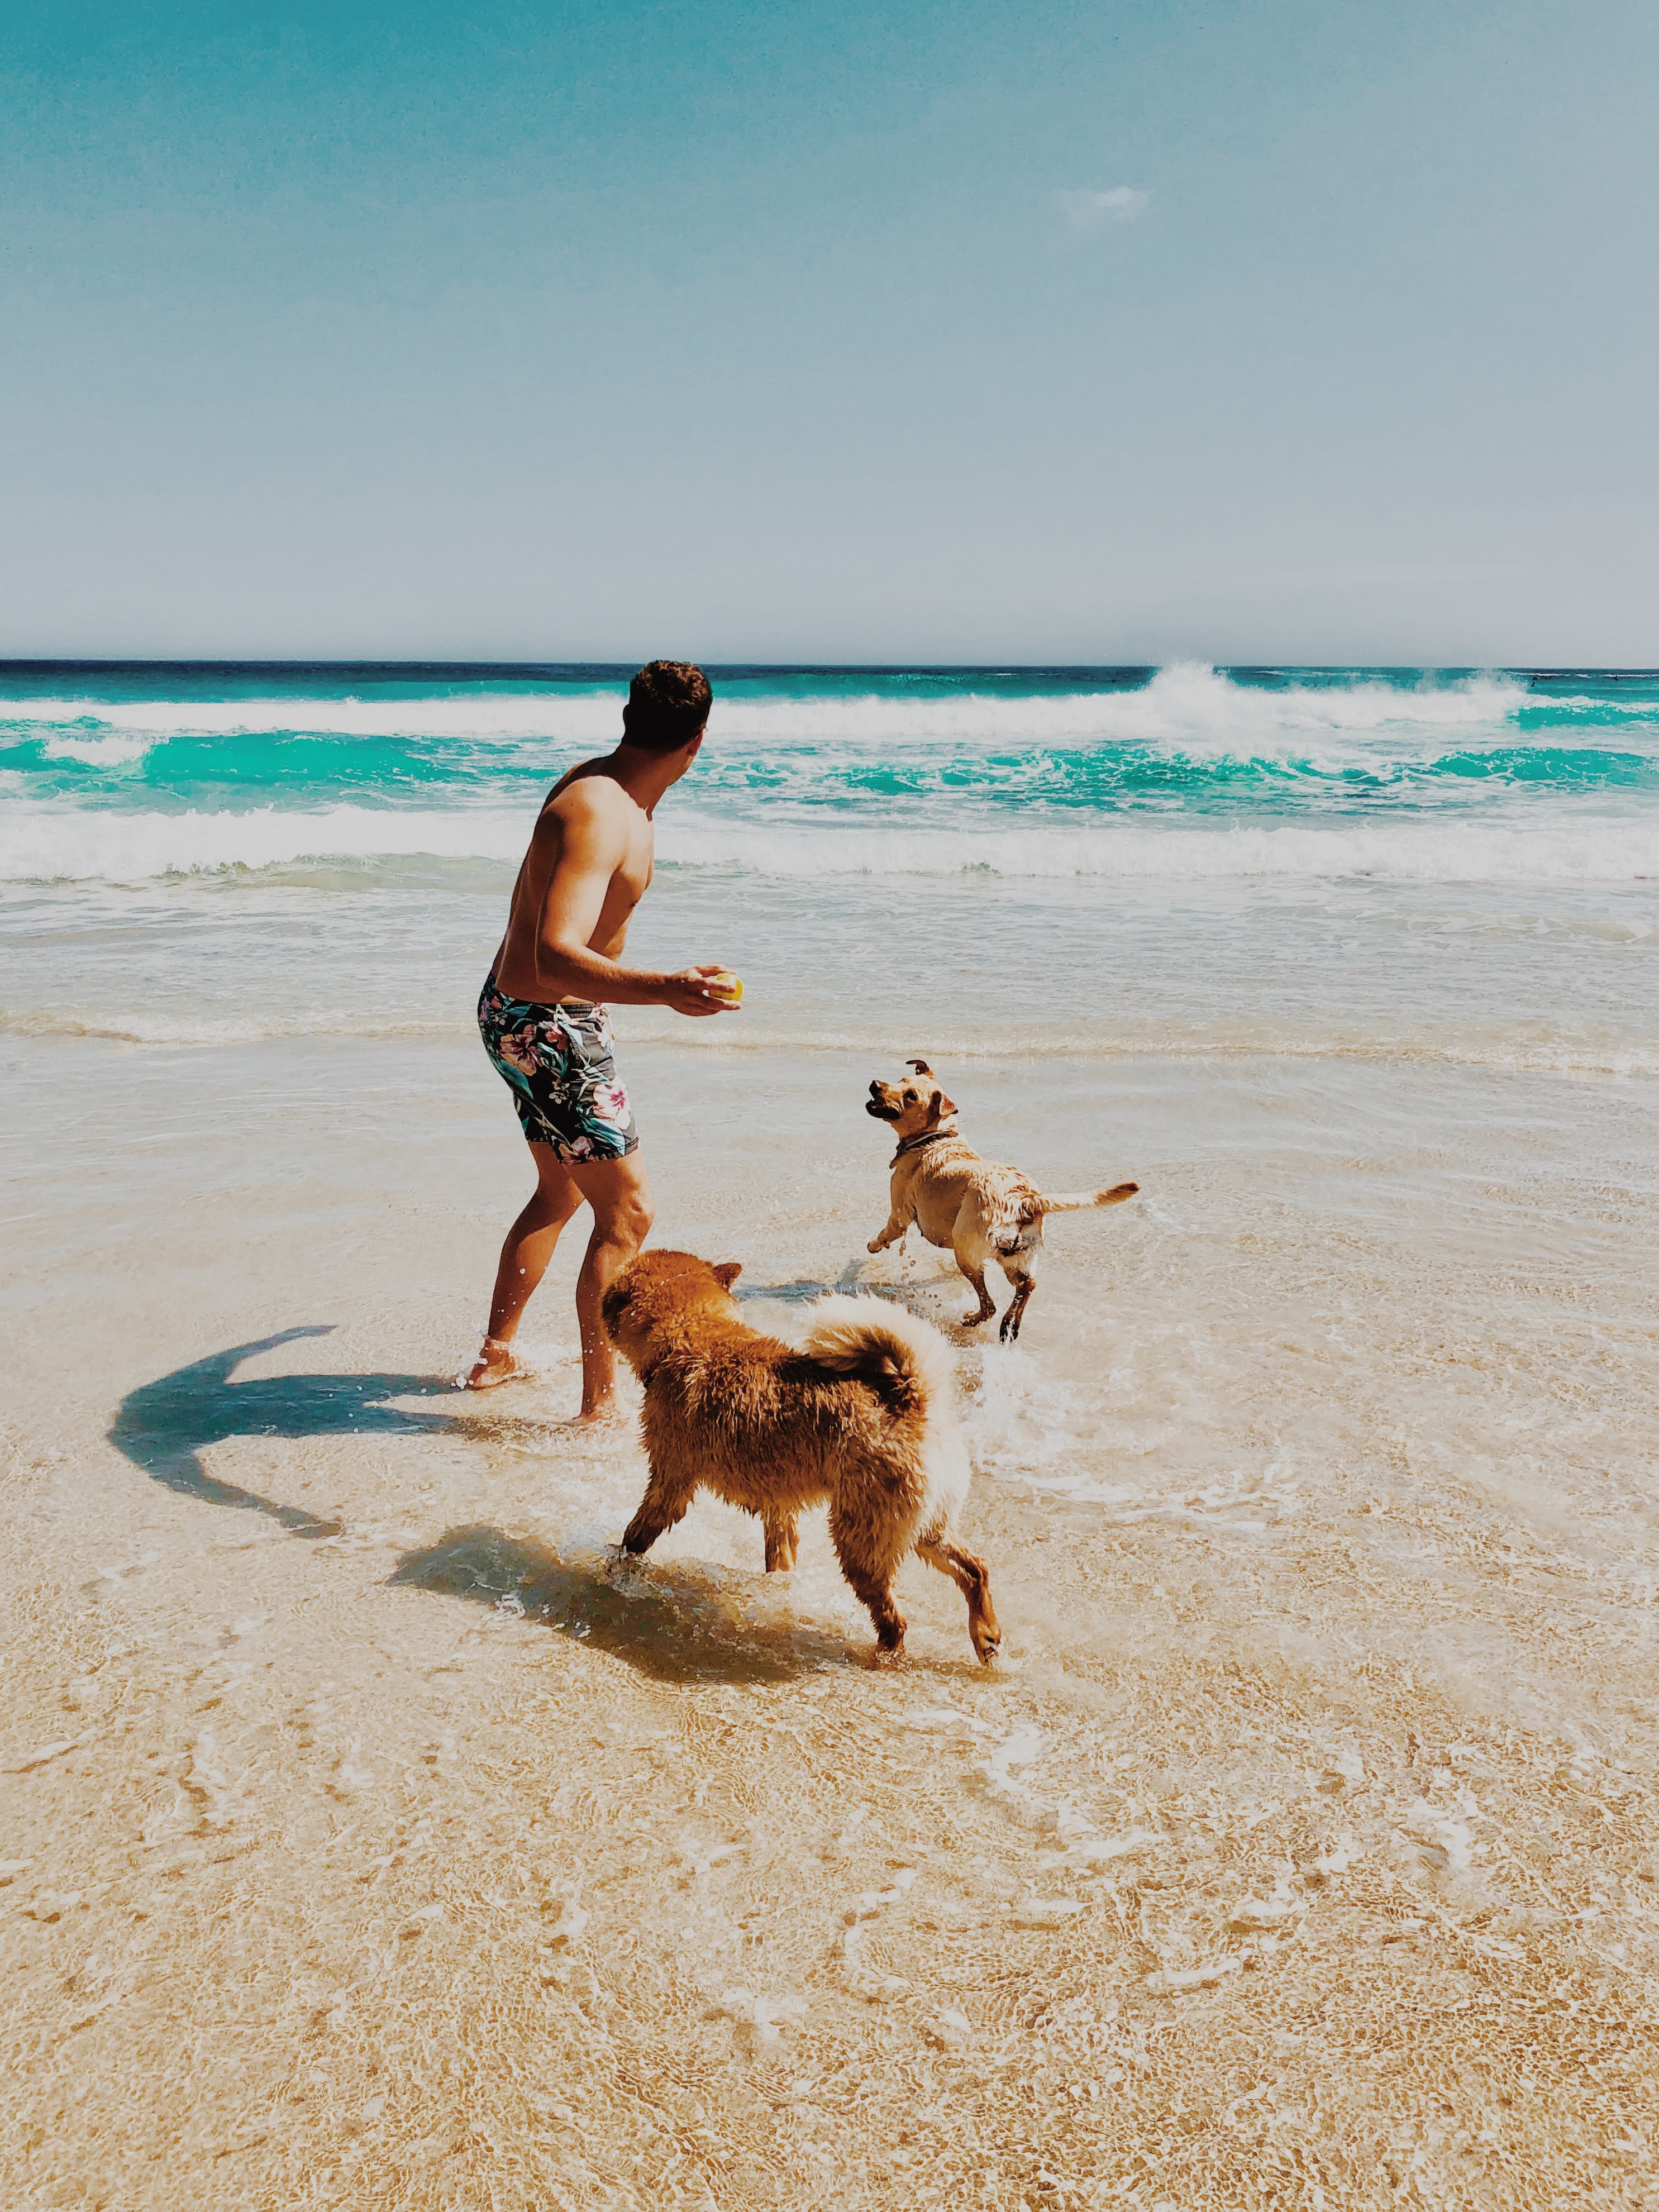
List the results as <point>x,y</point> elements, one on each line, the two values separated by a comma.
<point>373,1837</point>
<point>1107,553</point>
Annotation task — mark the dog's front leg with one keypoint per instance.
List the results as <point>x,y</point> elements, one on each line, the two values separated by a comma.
<point>893,1234</point>
<point>870,1567</point>
<point>663,1505</point>
<point>782,1541</point>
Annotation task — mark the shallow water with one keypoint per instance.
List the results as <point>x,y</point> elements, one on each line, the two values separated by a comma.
<point>374,1837</point>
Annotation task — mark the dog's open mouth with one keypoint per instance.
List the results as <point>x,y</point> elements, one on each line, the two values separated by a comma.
<point>881,1111</point>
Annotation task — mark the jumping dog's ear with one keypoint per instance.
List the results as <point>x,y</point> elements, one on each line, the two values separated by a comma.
<point>919,1066</point>
<point>727,1272</point>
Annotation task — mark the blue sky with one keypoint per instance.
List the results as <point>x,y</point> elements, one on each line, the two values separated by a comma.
<point>1310,330</point>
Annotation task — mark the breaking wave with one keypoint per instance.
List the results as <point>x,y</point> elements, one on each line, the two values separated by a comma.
<point>1183,703</point>
<point>1554,1049</point>
<point>67,844</point>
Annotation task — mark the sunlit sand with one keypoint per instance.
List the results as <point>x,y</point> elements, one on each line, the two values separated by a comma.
<point>374,1837</point>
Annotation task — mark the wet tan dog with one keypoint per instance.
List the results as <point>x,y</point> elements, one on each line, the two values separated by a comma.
<point>861,1418</point>
<point>975,1209</point>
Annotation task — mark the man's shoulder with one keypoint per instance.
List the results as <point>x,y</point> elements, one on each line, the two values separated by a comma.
<point>586,799</point>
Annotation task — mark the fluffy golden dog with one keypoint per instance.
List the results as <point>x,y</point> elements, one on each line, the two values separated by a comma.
<point>977,1210</point>
<point>861,1418</point>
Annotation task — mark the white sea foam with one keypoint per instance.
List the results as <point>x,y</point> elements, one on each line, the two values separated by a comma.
<point>1188,704</point>
<point>1002,1435</point>
<point>133,1027</point>
<point>100,749</point>
<point>55,844</point>
<point>1564,848</point>
<point>82,725</point>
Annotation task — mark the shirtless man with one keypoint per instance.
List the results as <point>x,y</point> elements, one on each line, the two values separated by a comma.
<point>544,1015</point>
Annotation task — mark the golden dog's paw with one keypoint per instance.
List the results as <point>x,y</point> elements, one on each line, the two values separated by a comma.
<point>874,1245</point>
<point>883,1657</point>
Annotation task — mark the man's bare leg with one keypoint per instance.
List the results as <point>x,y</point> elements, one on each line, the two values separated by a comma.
<point>525,1255</point>
<point>620,1195</point>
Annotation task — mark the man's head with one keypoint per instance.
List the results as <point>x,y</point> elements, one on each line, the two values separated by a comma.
<point>667,705</point>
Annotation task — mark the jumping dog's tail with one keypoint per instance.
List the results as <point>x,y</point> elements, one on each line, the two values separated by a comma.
<point>1074,1201</point>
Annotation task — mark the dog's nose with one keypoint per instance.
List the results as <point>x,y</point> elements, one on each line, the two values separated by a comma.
<point>874,1085</point>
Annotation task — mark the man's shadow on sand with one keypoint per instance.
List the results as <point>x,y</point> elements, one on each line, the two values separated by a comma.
<point>674,1622</point>
<point>164,1426</point>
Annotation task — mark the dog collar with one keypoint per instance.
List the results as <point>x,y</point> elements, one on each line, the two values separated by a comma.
<point>915,1144</point>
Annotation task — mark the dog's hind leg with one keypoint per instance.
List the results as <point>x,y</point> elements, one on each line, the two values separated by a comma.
<point>973,1578</point>
<point>868,1566</point>
<point>782,1541</point>
<point>1024,1287</point>
<point>662,1505</point>
<point>888,1620</point>
<point>977,1284</point>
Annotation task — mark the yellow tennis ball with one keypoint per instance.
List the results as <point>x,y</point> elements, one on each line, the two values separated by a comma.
<point>727,985</point>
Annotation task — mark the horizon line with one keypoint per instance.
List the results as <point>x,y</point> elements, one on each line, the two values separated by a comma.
<point>737,671</point>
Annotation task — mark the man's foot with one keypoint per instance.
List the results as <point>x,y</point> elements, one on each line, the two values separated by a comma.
<point>602,1412</point>
<point>495,1364</point>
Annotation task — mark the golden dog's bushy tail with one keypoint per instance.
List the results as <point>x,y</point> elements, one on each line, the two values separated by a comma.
<point>1073,1201</point>
<point>903,1357</point>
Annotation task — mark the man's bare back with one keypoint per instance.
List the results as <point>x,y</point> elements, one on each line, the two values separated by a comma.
<point>543,1017</point>
<point>589,824</point>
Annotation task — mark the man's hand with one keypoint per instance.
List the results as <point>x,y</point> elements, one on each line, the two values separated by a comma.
<point>688,993</point>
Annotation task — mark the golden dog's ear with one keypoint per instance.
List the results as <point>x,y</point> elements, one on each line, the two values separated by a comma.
<point>946,1105</point>
<point>919,1066</point>
<point>938,1105</point>
<point>728,1271</point>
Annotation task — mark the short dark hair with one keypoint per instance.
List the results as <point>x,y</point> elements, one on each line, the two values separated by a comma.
<point>668,703</point>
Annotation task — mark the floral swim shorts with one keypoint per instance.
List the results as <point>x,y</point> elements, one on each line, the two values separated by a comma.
<point>560,1065</point>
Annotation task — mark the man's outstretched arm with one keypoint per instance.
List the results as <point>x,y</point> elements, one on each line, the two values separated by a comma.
<point>592,846</point>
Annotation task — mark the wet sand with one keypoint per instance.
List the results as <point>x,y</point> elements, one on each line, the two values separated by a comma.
<point>373,1837</point>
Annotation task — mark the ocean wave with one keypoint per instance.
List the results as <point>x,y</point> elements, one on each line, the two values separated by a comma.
<point>1602,851</point>
<point>1188,705</point>
<point>71,844</point>
<point>1185,703</point>
<point>100,749</point>
<point>1531,1050</point>
<point>313,772</point>
<point>66,844</point>
<point>82,725</point>
<point>170,1029</point>
<point>1530,1053</point>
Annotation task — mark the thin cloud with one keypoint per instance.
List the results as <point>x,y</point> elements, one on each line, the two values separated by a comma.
<point>1087,212</point>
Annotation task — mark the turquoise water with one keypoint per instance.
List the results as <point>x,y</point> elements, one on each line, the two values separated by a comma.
<point>263,759</point>
<point>1460,862</point>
